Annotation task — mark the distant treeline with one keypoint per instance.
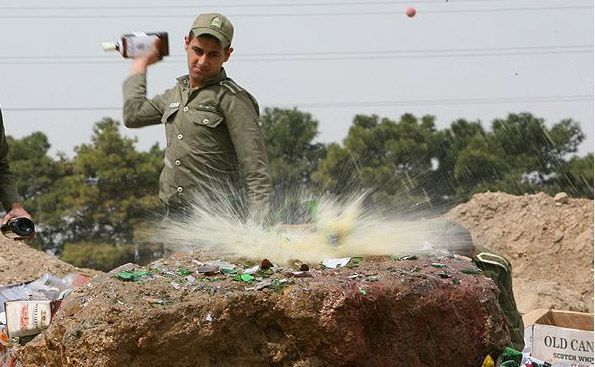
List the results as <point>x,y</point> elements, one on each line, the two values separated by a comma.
<point>90,206</point>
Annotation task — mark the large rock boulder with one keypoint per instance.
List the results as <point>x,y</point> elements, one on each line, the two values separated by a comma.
<point>373,312</point>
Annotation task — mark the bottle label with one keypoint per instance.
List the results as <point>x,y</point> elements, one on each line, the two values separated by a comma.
<point>27,317</point>
<point>139,44</point>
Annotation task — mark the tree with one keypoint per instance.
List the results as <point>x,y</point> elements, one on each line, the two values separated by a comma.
<point>34,169</point>
<point>575,177</point>
<point>477,167</point>
<point>37,173</point>
<point>289,136</point>
<point>453,142</point>
<point>108,189</point>
<point>337,171</point>
<point>293,157</point>
<point>393,159</point>
<point>532,152</point>
<point>520,155</point>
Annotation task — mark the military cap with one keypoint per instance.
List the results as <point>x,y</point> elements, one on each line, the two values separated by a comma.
<point>214,24</point>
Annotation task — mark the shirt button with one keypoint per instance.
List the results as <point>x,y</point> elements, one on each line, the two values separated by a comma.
<point>180,189</point>
<point>186,109</point>
<point>178,163</point>
<point>180,136</point>
<point>205,121</point>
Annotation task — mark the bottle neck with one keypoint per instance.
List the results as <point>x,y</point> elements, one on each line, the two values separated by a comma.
<point>110,46</point>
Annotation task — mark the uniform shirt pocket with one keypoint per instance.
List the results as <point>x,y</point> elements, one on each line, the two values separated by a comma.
<point>204,116</point>
<point>168,115</point>
<point>208,135</point>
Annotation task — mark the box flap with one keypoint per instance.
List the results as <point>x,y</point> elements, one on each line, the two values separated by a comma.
<point>532,317</point>
<point>565,319</point>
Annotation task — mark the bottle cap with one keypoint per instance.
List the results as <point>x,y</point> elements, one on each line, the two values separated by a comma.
<point>109,46</point>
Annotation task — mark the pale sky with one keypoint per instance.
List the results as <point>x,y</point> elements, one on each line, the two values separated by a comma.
<point>472,59</point>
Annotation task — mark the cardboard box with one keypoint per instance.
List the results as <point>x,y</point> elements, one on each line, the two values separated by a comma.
<point>562,338</point>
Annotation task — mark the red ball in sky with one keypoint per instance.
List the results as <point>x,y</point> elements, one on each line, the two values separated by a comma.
<point>410,12</point>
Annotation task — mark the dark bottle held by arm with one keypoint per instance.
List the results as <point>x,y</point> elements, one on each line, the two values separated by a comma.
<point>21,227</point>
<point>137,44</point>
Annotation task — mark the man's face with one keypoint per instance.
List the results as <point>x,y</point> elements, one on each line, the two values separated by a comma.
<point>205,58</point>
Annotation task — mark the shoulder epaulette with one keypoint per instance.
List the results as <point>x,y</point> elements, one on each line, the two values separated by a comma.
<point>231,85</point>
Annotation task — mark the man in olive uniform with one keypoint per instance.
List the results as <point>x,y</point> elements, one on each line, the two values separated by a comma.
<point>211,123</point>
<point>11,201</point>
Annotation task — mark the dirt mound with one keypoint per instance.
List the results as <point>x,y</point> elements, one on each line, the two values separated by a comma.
<point>374,312</point>
<point>20,263</point>
<point>548,240</point>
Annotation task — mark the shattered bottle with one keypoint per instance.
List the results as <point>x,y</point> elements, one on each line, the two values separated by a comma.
<point>137,44</point>
<point>18,227</point>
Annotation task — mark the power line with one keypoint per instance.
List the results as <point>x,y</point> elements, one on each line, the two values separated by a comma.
<point>322,56</point>
<point>442,102</point>
<point>270,5</point>
<point>346,104</point>
<point>336,58</point>
<point>307,53</point>
<point>254,5</point>
<point>268,15</point>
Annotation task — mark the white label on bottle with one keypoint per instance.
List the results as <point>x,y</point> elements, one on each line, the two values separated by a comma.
<point>139,44</point>
<point>27,317</point>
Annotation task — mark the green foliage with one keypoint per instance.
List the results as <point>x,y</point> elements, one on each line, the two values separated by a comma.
<point>335,173</point>
<point>100,195</point>
<point>38,176</point>
<point>410,163</point>
<point>453,142</point>
<point>520,155</point>
<point>476,166</point>
<point>293,155</point>
<point>534,153</point>
<point>393,159</point>
<point>34,169</point>
<point>575,177</point>
<point>112,188</point>
<point>100,256</point>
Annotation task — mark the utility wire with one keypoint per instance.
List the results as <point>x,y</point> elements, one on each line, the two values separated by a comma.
<point>308,53</point>
<point>268,5</point>
<point>304,59</point>
<point>424,50</point>
<point>442,102</point>
<point>346,104</point>
<point>321,14</point>
<point>319,56</point>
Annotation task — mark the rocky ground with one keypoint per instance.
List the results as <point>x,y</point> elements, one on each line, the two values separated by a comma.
<point>20,263</point>
<point>376,311</point>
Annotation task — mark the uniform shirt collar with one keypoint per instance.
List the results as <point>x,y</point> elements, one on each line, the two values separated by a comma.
<point>184,80</point>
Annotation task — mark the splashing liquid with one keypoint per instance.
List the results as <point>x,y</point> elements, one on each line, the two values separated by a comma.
<point>333,228</point>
